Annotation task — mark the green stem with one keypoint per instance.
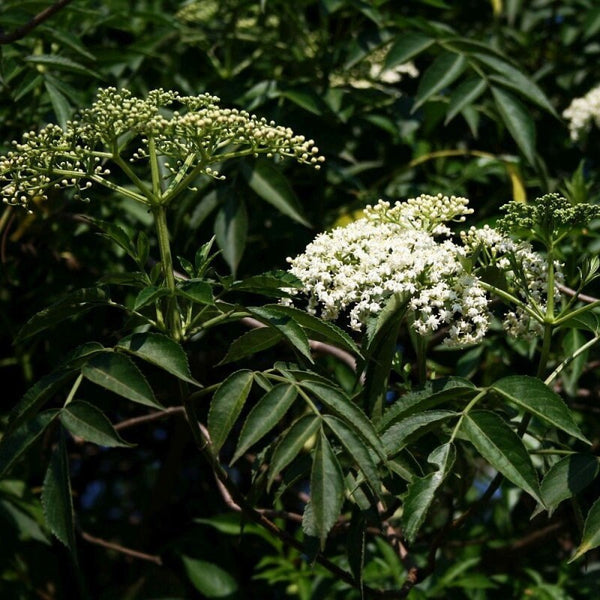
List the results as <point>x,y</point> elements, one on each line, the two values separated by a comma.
<point>421,350</point>
<point>162,234</point>
<point>577,312</point>
<point>74,389</point>
<point>154,169</point>
<point>133,177</point>
<point>465,412</point>
<point>569,359</point>
<point>510,299</point>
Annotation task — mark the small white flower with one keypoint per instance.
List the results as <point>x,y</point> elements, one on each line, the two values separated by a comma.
<point>582,112</point>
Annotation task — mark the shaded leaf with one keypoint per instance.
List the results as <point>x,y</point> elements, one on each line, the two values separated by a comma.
<point>198,291</point>
<point>502,448</point>
<point>88,422</point>
<point>61,106</point>
<point>291,443</point>
<point>273,187</point>
<point>267,413</point>
<point>117,373</point>
<point>325,330</point>
<point>444,70</point>
<point>518,121</point>
<point>37,395</point>
<point>342,406</point>
<point>568,477</point>
<point>226,405</point>
<point>231,229</point>
<point>56,497</point>
<point>466,93</point>
<point>272,283</point>
<point>326,491</point>
<point>401,434</point>
<point>382,336</point>
<point>433,393</point>
<point>209,579</point>
<point>355,547</point>
<point>536,397</point>
<point>148,296</point>
<point>516,80</point>
<point>251,342</point>
<point>159,350</point>
<point>16,443</point>
<point>421,491</point>
<point>407,46</point>
<point>356,449</point>
<point>67,307</point>
<point>306,99</point>
<point>61,63</point>
<point>591,532</point>
<point>291,331</point>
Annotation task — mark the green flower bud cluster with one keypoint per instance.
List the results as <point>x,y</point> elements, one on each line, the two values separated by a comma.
<point>548,218</point>
<point>192,132</point>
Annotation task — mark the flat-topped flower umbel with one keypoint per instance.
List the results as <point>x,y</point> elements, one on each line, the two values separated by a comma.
<point>407,249</point>
<point>192,132</point>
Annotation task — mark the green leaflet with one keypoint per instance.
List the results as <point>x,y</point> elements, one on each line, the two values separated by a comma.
<point>117,373</point>
<point>226,405</point>
<point>407,46</point>
<point>91,424</point>
<point>356,449</point>
<point>537,398</point>
<point>466,93</point>
<point>16,443</point>
<point>67,307</point>
<point>591,532</point>
<point>277,319</point>
<point>273,187</point>
<point>251,342</point>
<point>518,121</point>
<point>568,477</point>
<point>421,490</point>
<point>502,448</point>
<point>326,492</point>
<point>444,70</point>
<point>320,329</point>
<point>161,351</point>
<point>291,443</point>
<point>267,413</point>
<point>56,497</point>
<point>342,406</point>
<point>231,230</point>
<point>405,431</point>
<point>209,579</point>
<point>37,395</point>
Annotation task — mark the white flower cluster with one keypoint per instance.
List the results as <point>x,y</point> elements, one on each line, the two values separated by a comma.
<point>394,250</point>
<point>525,271</point>
<point>582,112</point>
<point>372,71</point>
<point>197,135</point>
<point>406,249</point>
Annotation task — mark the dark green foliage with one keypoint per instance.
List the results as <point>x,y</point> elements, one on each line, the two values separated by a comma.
<point>376,451</point>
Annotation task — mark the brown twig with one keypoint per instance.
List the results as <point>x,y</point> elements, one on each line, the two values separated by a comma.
<point>315,346</point>
<point>571,292</point>
<point>121,549</point>
<point>235,500</point>
<point>21,32</point>
<point>155,416</point>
